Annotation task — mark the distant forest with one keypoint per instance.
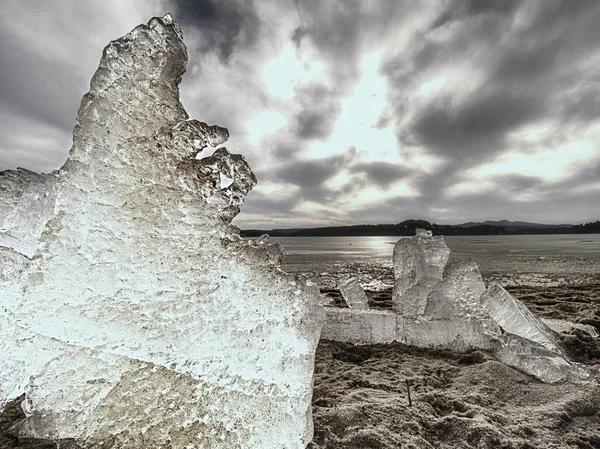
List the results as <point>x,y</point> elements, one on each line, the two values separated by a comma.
<point>408,227</point>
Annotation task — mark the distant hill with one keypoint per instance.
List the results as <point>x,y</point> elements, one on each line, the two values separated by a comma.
<point>507,224</point>
<point>408,227</point>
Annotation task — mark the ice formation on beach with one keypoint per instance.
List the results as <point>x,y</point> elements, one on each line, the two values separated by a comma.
<point>353,294</point>
<point>515,318</point>
<point>442,304</point>
<point>418,266</point>
<point>141,318</point>
<point>568,326</point>
<point>26,205</point>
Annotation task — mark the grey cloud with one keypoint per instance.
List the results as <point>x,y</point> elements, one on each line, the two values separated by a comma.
<point>532,69</point>
<point>562,207</point>
<point>530,73</point>
<point>224,24</point>
<point>313,125</point>
<point>259,204</point>
<point>582,103</point>
<point>38,88</point>
<point>466,8</point>
<point>381,173</point>
<point>299,34</point>
<point>382,122</point>
<point>342,30</point>
<point>476,128</point>
<point>319,110</point>
<point>517,183</point>
<point>310,174</point>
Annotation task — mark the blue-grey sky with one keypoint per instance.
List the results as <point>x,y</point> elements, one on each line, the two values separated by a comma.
<point>348,111</point>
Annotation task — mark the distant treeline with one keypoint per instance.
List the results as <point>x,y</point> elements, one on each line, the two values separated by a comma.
<point>408,227</point>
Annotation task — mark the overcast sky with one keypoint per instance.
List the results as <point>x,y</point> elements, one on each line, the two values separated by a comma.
<point>348,112</point>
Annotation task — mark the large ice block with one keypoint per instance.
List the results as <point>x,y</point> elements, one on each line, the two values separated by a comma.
<point>146,320</point>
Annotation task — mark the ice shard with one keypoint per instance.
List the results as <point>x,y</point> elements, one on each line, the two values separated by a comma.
<point>457,294</point>
<point>568,326</point>
<point>514,317</point>
<point>534,359</point>
<point>144,320</point>
<point>353,294</point>
<point>419,264</point>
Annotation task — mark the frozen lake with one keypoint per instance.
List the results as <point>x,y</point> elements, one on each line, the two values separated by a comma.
<point>558,255</point>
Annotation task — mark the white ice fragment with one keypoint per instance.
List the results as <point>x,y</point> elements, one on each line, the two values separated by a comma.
<point>225,180</point>
<point>262,239</point>
<point>419,264</point>
<point>568,326</point>
<point>538,361</point>
<point>423,233</point>
<point>142,304</point>
<point>457,295</point>
<point>514,317</point>
<point>353,294</point>
<point>26,205</point>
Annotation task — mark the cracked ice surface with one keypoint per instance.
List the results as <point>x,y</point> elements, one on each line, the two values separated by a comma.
<point>353,294</point>
<point>26,205</point>
<point>163,326</point>
<point>419,264</point>
<point>516,318</point>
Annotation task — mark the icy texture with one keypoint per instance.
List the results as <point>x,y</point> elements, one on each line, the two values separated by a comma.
<point>26,205</point>
<point>536,360</point>
<point>514,317</point>
<point>568,326</point>
<point>446,305</point>
<point>457,295</point>
<point>438,308</point>
<point>382,326</point>
<point>419,264</point>
<point>144,319</point>
<point>353,294</point>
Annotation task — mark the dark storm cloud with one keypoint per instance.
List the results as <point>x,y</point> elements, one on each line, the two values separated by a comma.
<point>311,176</point>
<point>522,62</point>
<point>532,57</point>
<point>457,10</point>
<point>38,102</point>
<point>342,30</point>
<point>526,74</point>
<point>478,126</point>
<point>298,35</point>
<point>224,24</point>
<point>313,125</point>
